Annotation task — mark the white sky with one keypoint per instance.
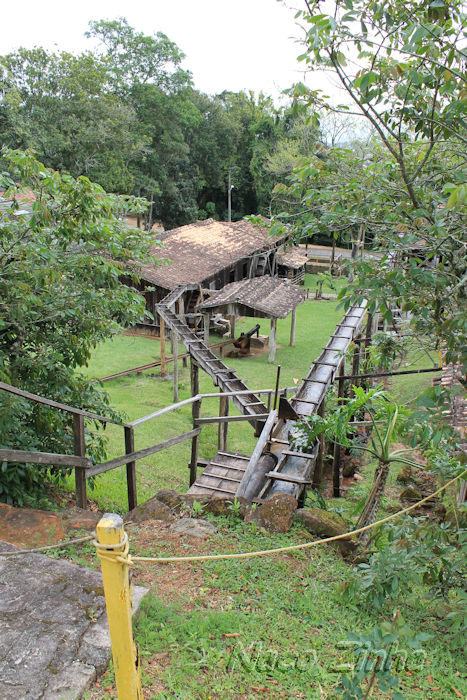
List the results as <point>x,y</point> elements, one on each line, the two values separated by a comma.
<point>229,44</point>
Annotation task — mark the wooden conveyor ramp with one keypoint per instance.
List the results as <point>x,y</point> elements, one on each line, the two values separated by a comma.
<point>274,467</point>
<point>222,376</point>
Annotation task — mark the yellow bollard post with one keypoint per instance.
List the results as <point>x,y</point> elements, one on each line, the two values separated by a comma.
<point>112,549</point>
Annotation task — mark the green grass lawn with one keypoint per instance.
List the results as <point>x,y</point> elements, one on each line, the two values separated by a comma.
<point>139,395</point>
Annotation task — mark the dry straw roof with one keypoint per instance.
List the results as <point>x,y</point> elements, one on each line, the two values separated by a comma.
<point>293,258</point>
<point>269,296</point>
<point>201,250</point>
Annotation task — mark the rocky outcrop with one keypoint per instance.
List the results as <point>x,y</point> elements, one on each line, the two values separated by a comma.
<point>150,510</point>
<point>325,524</point>
<point>276,514</point>
<point>193,527</point>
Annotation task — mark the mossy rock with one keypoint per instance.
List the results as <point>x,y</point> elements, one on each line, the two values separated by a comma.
<point>405,475</point>
<point>325,524</point>
<point>150,510</point>
<point>275,514</point>
<point>410,494</point>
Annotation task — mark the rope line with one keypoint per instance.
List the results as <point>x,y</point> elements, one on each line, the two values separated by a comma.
<point>245,555</point>
<point>67,543</point>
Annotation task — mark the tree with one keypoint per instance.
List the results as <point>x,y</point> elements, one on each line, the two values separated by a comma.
<point>402,67</point>
<point>61,294</point>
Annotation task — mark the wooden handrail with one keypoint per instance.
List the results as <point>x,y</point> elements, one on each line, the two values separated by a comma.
<point>32,457</point>
<point>55,404</point>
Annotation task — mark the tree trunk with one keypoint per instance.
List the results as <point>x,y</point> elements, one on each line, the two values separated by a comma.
<point>371,507</point>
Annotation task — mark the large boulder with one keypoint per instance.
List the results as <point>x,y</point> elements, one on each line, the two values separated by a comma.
<point>171,498</point>
<point>325,524</point>
<point>275,514</point>
<point>150,510</point>
<point>193,527</point>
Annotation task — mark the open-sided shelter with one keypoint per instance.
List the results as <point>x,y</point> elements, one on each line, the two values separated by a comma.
<point>263,297</point>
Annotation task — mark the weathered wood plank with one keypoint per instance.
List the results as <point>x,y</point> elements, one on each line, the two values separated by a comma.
<point>230,419</point>
<point>260,445</point>
<point>130,469</point>
<point>79,448</point>
<point>140,454</point>
<point>32,457</point>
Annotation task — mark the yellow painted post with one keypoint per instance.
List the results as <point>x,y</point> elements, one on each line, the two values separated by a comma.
<point>112,549</point>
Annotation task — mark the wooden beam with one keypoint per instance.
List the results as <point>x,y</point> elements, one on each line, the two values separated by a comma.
<point>207,320</point>
<point>292,327</point>
<point>336,460</point>
<point>231,419</point>
<point>130,468</point>
<point>140,454</point>
<point>54,404</point>
<point>257,452</point>
<point>55,458</point>
<point>232,325</point>
<point>162,336</point>
<point>318,471</point>
<point>272,340</point>
<point>79,448</point>
<point>222,431</point>
<point>175,342</point>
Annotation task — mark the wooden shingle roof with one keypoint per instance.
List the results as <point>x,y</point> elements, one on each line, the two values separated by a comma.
<point>293,258</point>
<point>270,297</point>
<point>200,250</point>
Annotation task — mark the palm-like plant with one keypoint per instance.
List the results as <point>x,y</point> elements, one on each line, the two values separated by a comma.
<point>385,418</point>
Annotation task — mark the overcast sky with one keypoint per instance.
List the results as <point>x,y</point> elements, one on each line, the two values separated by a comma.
<point>229,45</point>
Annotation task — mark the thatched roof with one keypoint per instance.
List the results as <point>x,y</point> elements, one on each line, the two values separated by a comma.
<point>293,258</point>
<point>266,297</point>
<point>198,251</point>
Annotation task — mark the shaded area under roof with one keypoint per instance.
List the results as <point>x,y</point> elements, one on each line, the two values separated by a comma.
<point>293,258</point>
<point>266,297</point>
<point>200,250</point>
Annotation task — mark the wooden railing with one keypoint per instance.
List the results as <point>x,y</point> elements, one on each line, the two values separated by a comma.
<point>83,466</point>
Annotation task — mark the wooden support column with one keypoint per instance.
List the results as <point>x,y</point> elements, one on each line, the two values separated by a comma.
<point>181,312</point>
<point>207,320</point>
<point>130,468</point>
<point>79,448</point>
<point>318,472</point>
<point>336,466</point>
<point>223,428</point>
<point>162,334</point>
<point>356,356</point>
<point>272,340</point>
<point>368,336</point>
<point>195,413</point>
<point>232,325</point>
<point>292,328</point>
<point>175,356</point>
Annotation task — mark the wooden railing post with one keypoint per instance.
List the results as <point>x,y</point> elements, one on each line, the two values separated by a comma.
<point>79,448</point>
<point>175,367</point>
<point>318,472</point>
<point>223,428</point>
<point>162,335</point>
<point>196,412</point>
<point>336,462</point>
<point>130,468</point>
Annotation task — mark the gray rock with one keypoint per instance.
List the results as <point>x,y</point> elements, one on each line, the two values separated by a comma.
<point>325,524</point>
<point>276,514</point>
<point>150,510</point>
<point>171,498</point>
<point>54,638</point>
<point>193,527</point>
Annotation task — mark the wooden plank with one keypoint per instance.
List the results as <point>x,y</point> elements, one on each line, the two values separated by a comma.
<point>140,454</point>
<point>79,448</point>
<point>235,456</point>
<point>54,404</point>
<point>226,466</point>
<point>230,419</point>
<point>285,477</point>
<point>221,478</point>
<point>303,455</point>
<point>257,452</point>
<point>130,469</point>
<point>222,430</point>
<point>167,409</point>
<point>32,457</point>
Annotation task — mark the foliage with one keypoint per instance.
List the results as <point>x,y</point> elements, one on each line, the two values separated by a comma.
<point>377,652</point>
<point>60,290</point>
<point>401,66</point>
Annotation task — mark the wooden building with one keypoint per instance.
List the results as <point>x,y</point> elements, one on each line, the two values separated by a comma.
<point>208,254</point>
<point>264,297</point>
<point>291,264</point>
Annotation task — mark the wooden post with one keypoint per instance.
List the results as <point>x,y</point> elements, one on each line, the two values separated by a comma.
<point>356,356</point>
<point>162,334</point>
<point>368,335</point>
<point>181,313</point>
<point>195,413</point>
<point>292,328</point>
<point>336,461</point>
<point>79,448</point>
<point>232,325</point>
<point>175,356</point>
<point>207,320</point>
<point>318,472</point>
<point>223,428</point>
<point>272,340</point>
<point>117,591</point>
<point>130,468</point>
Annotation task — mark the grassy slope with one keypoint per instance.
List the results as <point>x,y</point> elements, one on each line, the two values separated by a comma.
<point>139,395</point>
<point>285,612</point>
